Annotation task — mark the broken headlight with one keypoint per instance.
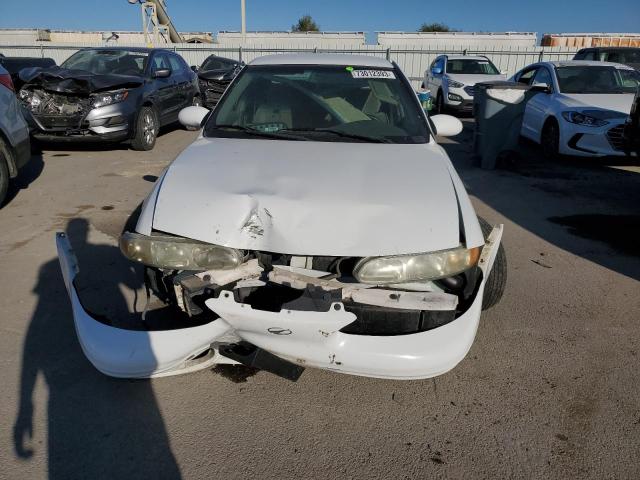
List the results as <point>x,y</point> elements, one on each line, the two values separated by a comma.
<point>178,253</point>
<point>108,98</point>
<point>29,97</point>
<point>419,267</point>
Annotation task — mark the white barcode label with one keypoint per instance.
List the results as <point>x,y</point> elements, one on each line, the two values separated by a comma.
<point>372,74</point>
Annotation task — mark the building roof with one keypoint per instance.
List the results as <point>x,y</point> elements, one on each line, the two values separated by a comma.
<point>323,59</point>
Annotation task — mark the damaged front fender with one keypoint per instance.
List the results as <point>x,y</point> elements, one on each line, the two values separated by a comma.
<point>133,354</point>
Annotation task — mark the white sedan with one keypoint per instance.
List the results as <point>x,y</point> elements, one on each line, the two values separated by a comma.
<point>314,223</point>
<point>582,108</point>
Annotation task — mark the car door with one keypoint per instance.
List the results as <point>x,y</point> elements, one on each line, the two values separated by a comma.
<point>435,73</point>
<point>526,77</point>
<point>538,107</point>
<point>182,79</point>
<point>164,88</point>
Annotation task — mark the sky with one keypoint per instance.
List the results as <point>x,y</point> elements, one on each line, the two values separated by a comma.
<point>541,16</point>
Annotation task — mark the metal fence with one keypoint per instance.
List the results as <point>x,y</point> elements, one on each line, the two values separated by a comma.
<point>413,61</point>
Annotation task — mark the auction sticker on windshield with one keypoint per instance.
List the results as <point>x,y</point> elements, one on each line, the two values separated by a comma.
<point>372,74</point>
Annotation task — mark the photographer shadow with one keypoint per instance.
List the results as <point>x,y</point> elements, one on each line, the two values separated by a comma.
<point>97,426</point>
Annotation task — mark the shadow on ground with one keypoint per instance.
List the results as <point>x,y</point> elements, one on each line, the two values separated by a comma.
<point>26,176</point>
<point>97,426</point>
<point>589,207</point>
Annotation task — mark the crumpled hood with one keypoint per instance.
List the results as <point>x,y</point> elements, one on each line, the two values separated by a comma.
<point>217,74</point>
<point>311,198</point>
<point>617,102</point>
<point>473,79</point>
<point>78,82</point>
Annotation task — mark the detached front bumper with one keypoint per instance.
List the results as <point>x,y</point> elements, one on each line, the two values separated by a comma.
<point>304,337</point>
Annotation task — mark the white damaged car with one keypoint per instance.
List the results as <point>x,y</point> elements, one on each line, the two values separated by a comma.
<point>314,223</point>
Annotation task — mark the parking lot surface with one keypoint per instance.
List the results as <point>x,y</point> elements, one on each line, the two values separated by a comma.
<point>549,389</point>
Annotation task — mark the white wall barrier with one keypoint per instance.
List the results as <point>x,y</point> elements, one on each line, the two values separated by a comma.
<point>413,61</point>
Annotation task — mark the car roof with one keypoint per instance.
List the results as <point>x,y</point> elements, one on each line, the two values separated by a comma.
<point>617,49</point>
<point>128,49</point>
<point>587,63</point>
<point>322,59</point>
<point>465,57</point>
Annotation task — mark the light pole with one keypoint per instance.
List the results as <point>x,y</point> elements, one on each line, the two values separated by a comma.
<point>243,15</point>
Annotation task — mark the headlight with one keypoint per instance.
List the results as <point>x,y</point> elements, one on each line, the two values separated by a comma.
<point>454,84</point>
<point>177,253</point>
<point>30,97</point>
<point>580,118</point>
<point>419,267</point>
<point>109,98</point>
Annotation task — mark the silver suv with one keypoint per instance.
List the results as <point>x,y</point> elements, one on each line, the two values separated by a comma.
<point>451,80</point>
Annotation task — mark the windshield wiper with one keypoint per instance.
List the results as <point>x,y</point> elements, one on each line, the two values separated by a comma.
<point>340,133</point>
<point>258,133</point>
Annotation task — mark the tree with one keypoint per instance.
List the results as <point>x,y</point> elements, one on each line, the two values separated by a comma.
<point>305,24</point>
<point>435,27</point>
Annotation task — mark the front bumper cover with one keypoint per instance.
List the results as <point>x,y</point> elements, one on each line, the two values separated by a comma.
<point>307,338</point>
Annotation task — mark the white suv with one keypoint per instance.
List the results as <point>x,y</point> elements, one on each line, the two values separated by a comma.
<point>451,79</point>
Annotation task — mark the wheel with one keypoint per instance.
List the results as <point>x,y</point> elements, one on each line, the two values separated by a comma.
<point>439,103</point>
<point>495,284</point>
<point>4,173</point>
<point>196,102</point>
<point>550,140</point>
<point>146,129</point>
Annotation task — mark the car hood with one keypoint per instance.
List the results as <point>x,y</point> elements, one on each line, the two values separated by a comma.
<point>311,198</point>
<point>218,74</point>
<point>473,79</point>
<point>78,82</point>
<point>617,102</point>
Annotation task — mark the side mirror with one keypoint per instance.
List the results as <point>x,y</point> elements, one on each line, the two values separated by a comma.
<point>195,68</point>
<point>446,125</point>
<point>192,117</point>
<point>162,73</point>
<point>541,87</point>
<point>436,71</point>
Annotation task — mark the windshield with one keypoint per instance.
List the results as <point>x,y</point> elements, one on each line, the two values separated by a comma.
<point>321,103</point>
<point>471,67</point>
<point>596,79</point>
<point>122,62</point>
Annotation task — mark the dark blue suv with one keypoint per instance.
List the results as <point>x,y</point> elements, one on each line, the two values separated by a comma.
<point>108,93</point>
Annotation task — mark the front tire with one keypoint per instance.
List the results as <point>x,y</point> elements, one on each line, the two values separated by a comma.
<point>440,107</point>
<point>497,280</point>
<point>146,130</point>
<point>550,140</point>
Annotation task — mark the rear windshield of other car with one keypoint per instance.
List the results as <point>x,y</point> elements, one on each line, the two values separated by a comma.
<point>122,62</point>
<point>620,56</point>
<point>596,79</point>
<point>320,103</point>
<point>213,63</point>
<point>472,67</point>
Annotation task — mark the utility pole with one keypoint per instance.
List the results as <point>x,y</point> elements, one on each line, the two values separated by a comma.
<point>243,15</point>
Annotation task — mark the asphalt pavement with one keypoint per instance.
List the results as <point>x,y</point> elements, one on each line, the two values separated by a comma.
<point>549,389</point>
